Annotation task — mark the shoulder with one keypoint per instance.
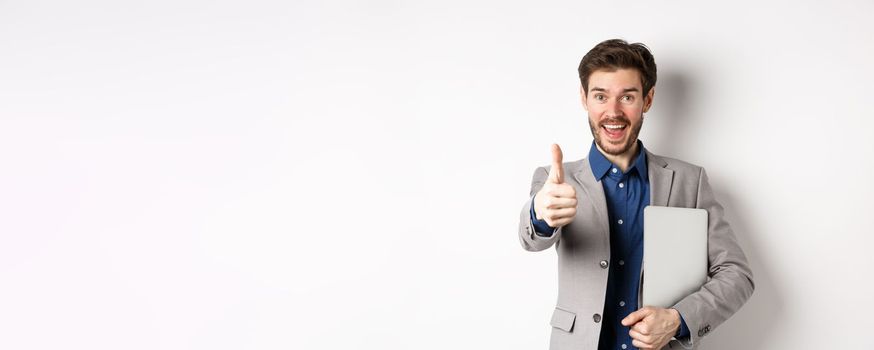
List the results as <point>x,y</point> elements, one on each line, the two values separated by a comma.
<point>570,168</point>
<point>575,166</point>
<point>681,167</point>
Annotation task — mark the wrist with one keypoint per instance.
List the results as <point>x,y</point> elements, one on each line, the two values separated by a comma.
<point>675,316</point>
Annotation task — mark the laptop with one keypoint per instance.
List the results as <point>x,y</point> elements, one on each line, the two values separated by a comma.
<point>674,254</point>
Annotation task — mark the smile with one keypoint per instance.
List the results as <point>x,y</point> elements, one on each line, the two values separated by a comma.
<point>614,131</point>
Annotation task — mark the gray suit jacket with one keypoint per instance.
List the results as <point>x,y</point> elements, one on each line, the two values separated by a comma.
<point>583,249</point>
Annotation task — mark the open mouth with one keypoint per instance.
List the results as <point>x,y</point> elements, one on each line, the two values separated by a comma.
<point>614,131</point>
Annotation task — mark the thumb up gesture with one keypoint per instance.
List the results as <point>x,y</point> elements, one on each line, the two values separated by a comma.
<point>556,202</point>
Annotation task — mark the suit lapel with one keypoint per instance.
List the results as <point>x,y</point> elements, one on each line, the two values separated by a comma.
<point>595,192</point>
<point>660,180</point>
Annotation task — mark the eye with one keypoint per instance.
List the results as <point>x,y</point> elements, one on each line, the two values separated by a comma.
<point>627,98</point>
<point>600,97</point>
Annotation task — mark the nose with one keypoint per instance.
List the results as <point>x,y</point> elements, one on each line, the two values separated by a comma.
<point>613,109</point>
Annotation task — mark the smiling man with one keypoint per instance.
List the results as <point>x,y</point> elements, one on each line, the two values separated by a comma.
<point>594,218</point>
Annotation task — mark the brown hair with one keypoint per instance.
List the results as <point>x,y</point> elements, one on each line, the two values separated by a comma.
<point>614,54</point>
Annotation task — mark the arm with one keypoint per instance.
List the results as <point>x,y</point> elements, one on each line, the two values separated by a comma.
<point>556,205</point>
<point>528,236</point>
<point>731,281</point>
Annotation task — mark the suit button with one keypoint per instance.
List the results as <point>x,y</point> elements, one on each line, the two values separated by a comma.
<point>596,318</point>
<point>604,264</point>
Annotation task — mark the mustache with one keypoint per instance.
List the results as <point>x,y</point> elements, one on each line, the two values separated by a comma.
<point>619,120</point>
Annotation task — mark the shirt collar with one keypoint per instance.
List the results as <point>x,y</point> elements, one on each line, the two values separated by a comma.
<point>600,165</point>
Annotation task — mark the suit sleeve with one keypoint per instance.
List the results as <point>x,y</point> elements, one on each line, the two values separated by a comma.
<point>528,237</point>
<point>730,282</point>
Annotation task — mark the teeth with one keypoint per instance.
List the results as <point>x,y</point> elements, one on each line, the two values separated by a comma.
<point>614,126</point>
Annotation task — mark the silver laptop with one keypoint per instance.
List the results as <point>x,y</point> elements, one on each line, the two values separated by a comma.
<point>674,254</point>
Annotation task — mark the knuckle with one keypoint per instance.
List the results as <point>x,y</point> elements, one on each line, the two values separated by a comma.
<point>646,339</point>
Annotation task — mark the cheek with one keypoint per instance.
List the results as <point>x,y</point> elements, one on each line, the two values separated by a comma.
<point>594,114</point>
<point>595,109</point>
<point>633,112</point>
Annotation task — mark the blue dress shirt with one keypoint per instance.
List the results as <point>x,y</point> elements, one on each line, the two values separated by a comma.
<point>627,193</point>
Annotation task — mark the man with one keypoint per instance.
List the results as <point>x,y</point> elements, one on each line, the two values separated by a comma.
<point>591,210</point>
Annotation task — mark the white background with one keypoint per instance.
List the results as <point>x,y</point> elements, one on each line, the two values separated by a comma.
<point>349,175</point>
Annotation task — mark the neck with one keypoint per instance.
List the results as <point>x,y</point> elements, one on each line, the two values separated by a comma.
<point>623,160</point>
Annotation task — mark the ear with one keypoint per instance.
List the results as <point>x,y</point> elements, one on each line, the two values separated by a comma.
<point>583,98</point>
<point>647,101</point>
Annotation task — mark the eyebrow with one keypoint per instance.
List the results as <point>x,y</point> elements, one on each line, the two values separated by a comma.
<point>631,89</point>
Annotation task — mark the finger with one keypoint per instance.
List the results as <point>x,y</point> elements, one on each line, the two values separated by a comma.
<point>641,345</point>
<point>563,190</point>
<point>556,173</point>
<point>642,328</point>
<point>637,335</point>
<point>561,222</point>
<point>559,214</point>
<point>560,203</point>
<point>636,316</point>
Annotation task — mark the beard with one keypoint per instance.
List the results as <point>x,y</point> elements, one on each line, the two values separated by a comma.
<point>621,146</point>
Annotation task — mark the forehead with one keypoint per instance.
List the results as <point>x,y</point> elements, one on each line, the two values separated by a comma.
<point>615,81</point>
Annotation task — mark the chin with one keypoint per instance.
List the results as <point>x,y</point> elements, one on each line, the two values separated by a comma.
<point>616,147</point>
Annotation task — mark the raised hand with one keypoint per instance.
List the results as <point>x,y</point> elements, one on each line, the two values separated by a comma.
<point>556,202</point>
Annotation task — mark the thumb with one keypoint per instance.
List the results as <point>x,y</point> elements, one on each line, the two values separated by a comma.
<point>556,173</point>
<point>636,316</point>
